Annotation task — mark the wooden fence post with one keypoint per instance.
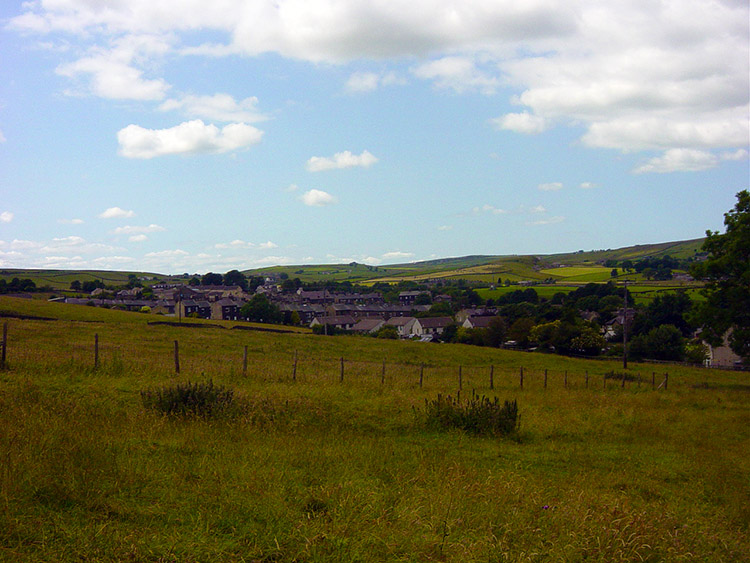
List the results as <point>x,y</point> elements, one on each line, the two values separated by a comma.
<point>341,376</point>
<point>521,377</point>
<point>244,362</point>
<point>565,381</point>
<point>421,375</point>
<point>176,357</point>
<point>294,367</point>
<point>545,378</point>
<point>382,374</point>
<point>96,351</point>
<point>622,384</point>
<point>460,378</point>
<point>492,377</point>
<point>587,379</point>
<point>4,344</point>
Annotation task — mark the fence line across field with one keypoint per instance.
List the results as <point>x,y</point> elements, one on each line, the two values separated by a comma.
<point>342,362</point>
<point>326,368</point>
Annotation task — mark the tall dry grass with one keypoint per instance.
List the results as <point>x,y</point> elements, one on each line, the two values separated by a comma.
<point>319,469</point>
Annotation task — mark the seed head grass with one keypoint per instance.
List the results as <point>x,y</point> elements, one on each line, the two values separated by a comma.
<point>312,468</point>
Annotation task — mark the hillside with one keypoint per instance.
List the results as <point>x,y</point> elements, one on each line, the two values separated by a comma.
<point>488,269</point>
<point>477,268</point>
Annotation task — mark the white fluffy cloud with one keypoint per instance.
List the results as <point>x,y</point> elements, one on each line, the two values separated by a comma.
<point>137,230</point>
<point>235,244</point>
<point>191,137</point>
<point>523,122</point>
<point>239,244</point>
<point>632,75</point>
<point>219,107</point>
<point>6,217</point>
<point>341,160</point>
<point>397,255</point>
<point>459,74</point>
<point>687,160</point>
<point>116,213</point>
<point>74,245</point>
<point>550,187</point>
<point>369,81</point>
<point>317,198</point>
<point>112,71</point>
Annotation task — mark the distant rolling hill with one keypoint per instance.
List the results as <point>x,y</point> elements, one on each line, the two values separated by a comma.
<point>489,269</point>
<point>582,266</point>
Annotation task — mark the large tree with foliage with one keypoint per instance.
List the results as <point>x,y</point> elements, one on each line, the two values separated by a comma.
<point>235,277</point>
<point>727,271</point>
<point>212,278</point>
<point>260,309</point>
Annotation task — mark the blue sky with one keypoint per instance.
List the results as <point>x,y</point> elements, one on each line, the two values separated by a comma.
<point>184,136</point>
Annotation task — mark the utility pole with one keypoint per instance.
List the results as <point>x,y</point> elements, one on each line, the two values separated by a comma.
<point>625,328</point>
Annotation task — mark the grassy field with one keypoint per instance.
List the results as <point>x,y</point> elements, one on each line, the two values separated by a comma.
<point>311,467</point>
<point>544,291</point>
<point>583,274</point>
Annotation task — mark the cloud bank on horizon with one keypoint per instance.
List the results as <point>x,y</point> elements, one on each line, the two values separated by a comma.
<point>662,87</point>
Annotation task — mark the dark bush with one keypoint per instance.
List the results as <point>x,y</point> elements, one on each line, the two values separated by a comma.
<point>189,399</point>
<point>479,415</point>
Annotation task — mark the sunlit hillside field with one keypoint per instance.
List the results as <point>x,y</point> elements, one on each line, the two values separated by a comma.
<point>580,273</point>
<point>321,462</point>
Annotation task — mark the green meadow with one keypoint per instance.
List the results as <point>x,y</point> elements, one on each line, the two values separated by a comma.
<point>325,455</point>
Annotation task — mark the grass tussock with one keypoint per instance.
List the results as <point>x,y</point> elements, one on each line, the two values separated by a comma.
<point>189,399</point>
<point>479,415</point>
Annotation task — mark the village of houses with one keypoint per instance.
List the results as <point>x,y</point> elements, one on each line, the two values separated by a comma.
<point>363,313</point>
<point>358,313</point>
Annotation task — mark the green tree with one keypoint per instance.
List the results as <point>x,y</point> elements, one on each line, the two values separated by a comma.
<point>288,286</point>
<point>212,279</point>
<point>727,270</point>
<point>519,331</point>
<point>261,310</point>
<point>423,299</point>
<point>588,343</point>
<point>388,332</point>
<point>494,334</point>
<point>664,342</point>
<point>235,277</point>
<point>133,281</point>
<point>666,309</point>
<point>441,309</point>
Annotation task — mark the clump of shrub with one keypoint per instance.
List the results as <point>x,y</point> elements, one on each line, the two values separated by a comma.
<point>619,376</point>
<point>189,399</point>
<point>479,415</point>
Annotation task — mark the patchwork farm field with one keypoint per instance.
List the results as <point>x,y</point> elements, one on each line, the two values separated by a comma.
<point>326,454</point>
<point>583,274</point>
